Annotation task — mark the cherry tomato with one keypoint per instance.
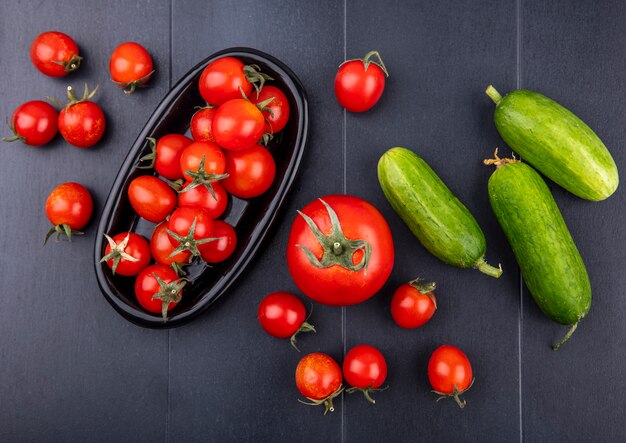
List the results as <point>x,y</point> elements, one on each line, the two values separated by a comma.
<point>450,373</point>
<point>318,378</point>
<point>203,162</point>
<point>81,122</point>
<point>277,113</point>
<point>34,123</point>
<point>126,254</point>
<point>224,79</point>
<point>283,315</point>
<point>151,198</point>
<point>201,125</point>
<point>190,229</point>
<point>201,197</point>
<point>161,249</point>
<point>158,289</point>
<point>360,83</point>
<point>340,251</point>
<point>238,124</point>
<point>165,155</point>
<point>130,66</point>
<point>68,207</point>
<point>219,250</point>
<point>413,304</point>
<point>55,54</point>
<point>250,172</point>
<point>365,370</point>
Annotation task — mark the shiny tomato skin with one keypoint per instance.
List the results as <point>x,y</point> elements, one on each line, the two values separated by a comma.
<point>130,62</point>
<point>410,308</point>
<point>358,89</point>
<point>137,247</point>
<point>365,367</point>
<point>318,375</point>
<point>278,118</point>
<point>51,47</point>
<point>219,250</point>
<point>448,367</point>
<point>70,204</point>
<point>222,79</point>
<point>214,159</point>
<point>181,220</point>
<point>281,314</point>
<point>169,149</point>
<point>200,197</point>
<point>336,285</point>
<point>237,124</point>
<point>201,125</point>
<point>151,198</point>
<point>82,124</point>
<point>161,247</point>
<point>36,121</point>
<point>251,172</point>
<point>146,286</point>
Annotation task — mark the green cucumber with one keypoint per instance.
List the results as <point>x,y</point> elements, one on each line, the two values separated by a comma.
<point>556,142</point>
<point>551,265</point>
<point>435,216</point>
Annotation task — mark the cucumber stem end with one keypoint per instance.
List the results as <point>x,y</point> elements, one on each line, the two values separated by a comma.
<point>567,336</point>
<point>493,94</point>
<point>486,268</point>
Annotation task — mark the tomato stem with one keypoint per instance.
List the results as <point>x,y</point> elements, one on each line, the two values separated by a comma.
<point>62,229</point>
<point>327,402</point>
<point>493,94</point>
<point>455,394</point>
<point>150,157</point>
<point>367,60</point>
<point>567,336</point>
<point>118,252</point>
<point>304,327</point>
<point>486,268</point>
<point>168,293</point>
<point>71,65</point>
<point>366,392</point>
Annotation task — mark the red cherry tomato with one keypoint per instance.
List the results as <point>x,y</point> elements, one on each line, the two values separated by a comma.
<point>318,378</point>
<point>190,229</point>
<point>413,304</point>
<point>151,198</point>
<point>130,66</point>
<point>191,162</point>
<point>365,369</point>
<point>283,315</point>
<point>34,123</point>
<point>238,124</point>
<point>165,155</point>
<point>55,54</point>
<point>359,84</point>
<point>250,172</point>
<point>201,197</point>
<point>81,122</point>
<point>201,125</point>
<point>275,120</point>
<point>158,296</point>
<point>68,207</point>
<point>126,254</point>
<point>450,373</point>
<point>161,248</point>
<point>224,79</point>
<point>219,250</point>
<point>357,255</point>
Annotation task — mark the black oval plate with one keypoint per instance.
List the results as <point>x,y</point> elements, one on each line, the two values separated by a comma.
<point>251,219</point>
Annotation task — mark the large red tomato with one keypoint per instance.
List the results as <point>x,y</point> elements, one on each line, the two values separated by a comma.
<point>340,251</point>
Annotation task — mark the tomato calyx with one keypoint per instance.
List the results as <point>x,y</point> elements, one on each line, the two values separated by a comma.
<point>118,252</point>
<point>425,288</point>
<point>201,177</point>
<point>61,229</point>
<point>327,402</point>
<point>337,249</point>
<point>130,87</point>
<point>70,65</point>
<point>304,327</point>
<point>151,156</point>
<point>367,61</point>
<point>366,391</point>
<point>256,77</point>
<point>168,293</point>
<point>15,135</point>
<point>72,99</point>
<point>455,394</point>
<point>188,242</point>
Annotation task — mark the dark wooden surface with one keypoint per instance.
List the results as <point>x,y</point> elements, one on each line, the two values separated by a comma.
<point>74,370</point>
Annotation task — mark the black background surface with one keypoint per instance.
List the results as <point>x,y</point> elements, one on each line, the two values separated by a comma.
<point>73,370</point>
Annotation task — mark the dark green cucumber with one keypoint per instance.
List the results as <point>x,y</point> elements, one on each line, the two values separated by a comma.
<point>551,265</point>
<point>435,216</point>
<point>555,142</point>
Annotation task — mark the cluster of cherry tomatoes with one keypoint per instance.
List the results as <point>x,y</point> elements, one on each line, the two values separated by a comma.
<point>195,178</point>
